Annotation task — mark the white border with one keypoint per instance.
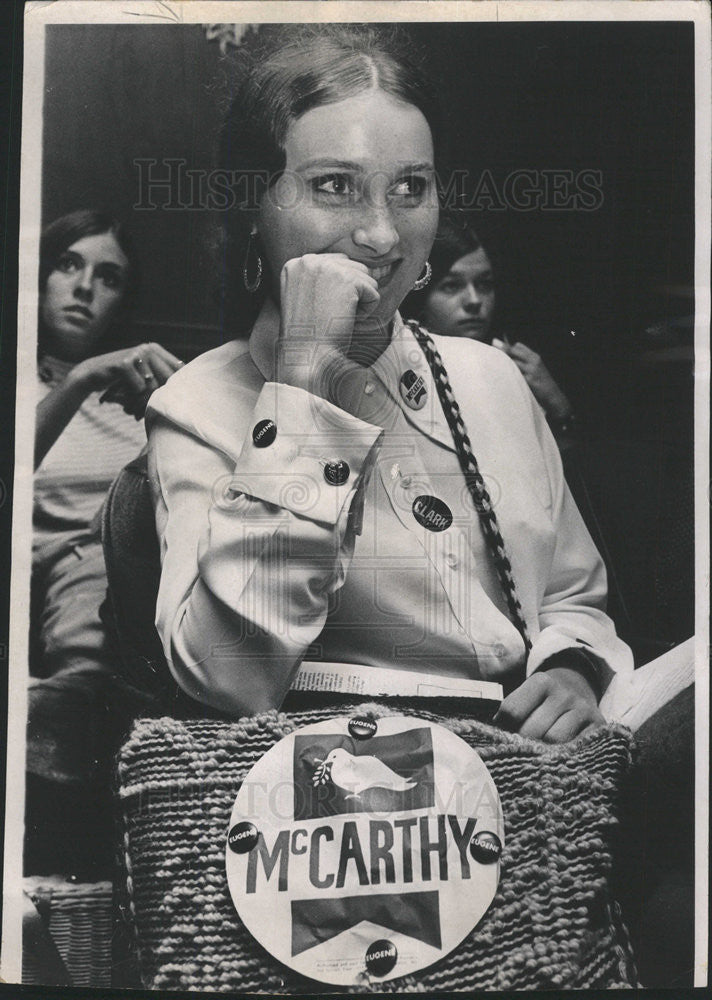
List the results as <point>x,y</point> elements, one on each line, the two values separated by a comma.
<point>703,484</point>
<point>39,13</point>
<point>21,550</point>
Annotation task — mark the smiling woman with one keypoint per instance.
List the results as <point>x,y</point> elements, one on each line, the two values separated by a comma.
<point>313,69</point>
<point>309,491</point>
<point>357,240</point>
<point>370,204</point>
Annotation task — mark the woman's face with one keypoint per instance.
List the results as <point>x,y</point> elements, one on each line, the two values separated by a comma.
<point>359,180</point>
<point>461,304</point>
<point>83,293</point>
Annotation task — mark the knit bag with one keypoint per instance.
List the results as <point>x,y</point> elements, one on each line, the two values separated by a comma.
<point>552,923</point>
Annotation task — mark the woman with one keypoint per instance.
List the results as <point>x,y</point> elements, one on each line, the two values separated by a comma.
<point>309,492</point>
<point>460,302</point>
<point>87,428</point>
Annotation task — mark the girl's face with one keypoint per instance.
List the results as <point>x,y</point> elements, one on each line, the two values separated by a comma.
<point>83,294</point>
<point>461,304</point>
<point>359,180</point>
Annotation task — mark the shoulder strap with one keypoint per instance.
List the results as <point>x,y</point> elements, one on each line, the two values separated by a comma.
<point>473,478</point>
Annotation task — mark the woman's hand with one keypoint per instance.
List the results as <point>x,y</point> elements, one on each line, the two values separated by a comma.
<point>322,299</point>
<point>539,379</point>
<point>128,376</point>
<point>553,705</point>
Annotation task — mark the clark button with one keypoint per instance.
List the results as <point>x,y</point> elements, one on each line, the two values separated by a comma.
<point>336,472</point>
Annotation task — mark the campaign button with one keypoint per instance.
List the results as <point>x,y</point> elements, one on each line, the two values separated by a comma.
<point>362,728</point>
<point>336,473</point>
<point>242,837</point>
<point>353,844</point>
<point>413,390</point>
<point>264,433</point>
<point>432,513</point>
<point>485,847</point>
<point>381,957</point>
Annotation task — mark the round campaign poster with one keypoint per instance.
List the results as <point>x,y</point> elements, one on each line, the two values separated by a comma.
<point>364,848</point>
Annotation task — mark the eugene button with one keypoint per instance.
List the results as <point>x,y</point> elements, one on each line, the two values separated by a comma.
<point>264,433</point>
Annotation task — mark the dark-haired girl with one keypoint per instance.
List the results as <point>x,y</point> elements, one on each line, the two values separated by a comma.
<point>90,398</point>
<point>461,301</point>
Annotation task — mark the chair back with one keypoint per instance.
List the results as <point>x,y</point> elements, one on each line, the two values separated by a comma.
<point>133,568</point>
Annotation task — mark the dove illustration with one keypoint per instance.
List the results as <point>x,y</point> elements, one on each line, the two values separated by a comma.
<point>357,774</point>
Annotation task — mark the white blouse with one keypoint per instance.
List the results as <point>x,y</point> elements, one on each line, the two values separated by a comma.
<point>268,558</point>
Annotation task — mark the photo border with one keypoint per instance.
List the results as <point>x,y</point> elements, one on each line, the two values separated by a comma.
<point>39,15</point>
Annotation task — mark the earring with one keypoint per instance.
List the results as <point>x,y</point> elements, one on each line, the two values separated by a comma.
<point>253,285</point>
<point>425,279</point>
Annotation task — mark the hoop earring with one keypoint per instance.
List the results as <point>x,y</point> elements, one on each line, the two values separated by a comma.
<point>253,285</point>
<point>424,279</point>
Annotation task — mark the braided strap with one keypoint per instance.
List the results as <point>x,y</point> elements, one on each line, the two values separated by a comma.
<point>475,482</point>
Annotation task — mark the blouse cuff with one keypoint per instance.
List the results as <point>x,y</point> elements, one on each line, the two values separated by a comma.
<point>303,454</point>
<point>551,642</point>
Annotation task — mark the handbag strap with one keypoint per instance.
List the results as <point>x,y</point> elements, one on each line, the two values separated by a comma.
<point>475,483</point>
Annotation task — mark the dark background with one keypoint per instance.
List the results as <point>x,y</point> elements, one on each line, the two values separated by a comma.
<point>618,98</point>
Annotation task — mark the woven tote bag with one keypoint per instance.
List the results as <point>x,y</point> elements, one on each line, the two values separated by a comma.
<point>79,918</point>
<point>552,923</point>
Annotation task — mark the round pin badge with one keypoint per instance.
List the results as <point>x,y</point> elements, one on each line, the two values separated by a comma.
<point>336,472</point>
<point>362,862</point>
<point>361,727</point>
<point>381,958</point>
<point>413,390</point>
<point>242,837</point>
<point>485,847</point>
<point>432,513</point>
<point>264,433</point>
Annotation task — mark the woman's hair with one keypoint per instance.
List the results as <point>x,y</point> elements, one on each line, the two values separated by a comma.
<point>455,239</point>
<point>61,234</point>
<point>285,71</point>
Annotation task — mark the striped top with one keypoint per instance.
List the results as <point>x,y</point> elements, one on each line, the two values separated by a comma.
<point>75,474</point>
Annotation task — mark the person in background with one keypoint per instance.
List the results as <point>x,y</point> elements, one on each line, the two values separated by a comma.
<point>91,398</point>
<point>460,301</point>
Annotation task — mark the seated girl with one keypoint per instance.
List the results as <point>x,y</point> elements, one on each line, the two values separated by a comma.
<point>461,302</point>
<point>90,401</point>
